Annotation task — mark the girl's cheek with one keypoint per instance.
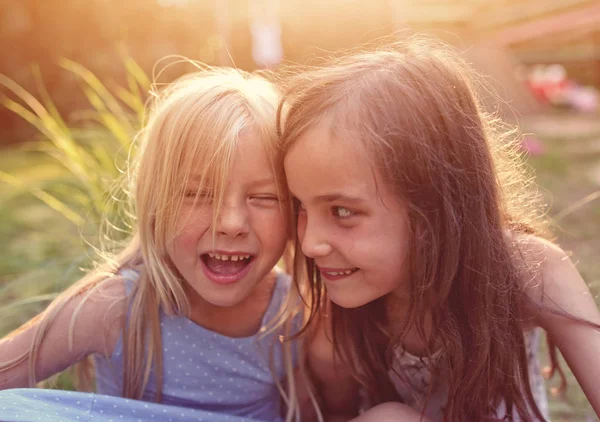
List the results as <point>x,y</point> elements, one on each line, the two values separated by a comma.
<point>188,238</point>
<point>195,217</point>
<point>272,221</point>
<point>185,241</point>
<point>191,226</point>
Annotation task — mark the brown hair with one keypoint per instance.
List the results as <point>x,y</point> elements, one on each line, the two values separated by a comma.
<point>413,104</point>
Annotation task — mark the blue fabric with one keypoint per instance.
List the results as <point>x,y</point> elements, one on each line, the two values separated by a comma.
<point>209,371</point>
<point>207,377</point>
<point>20,405</point>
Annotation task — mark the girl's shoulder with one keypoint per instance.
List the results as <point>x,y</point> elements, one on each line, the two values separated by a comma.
<point>545,263</point>
<point>553,283</point>
<point>101,309</point>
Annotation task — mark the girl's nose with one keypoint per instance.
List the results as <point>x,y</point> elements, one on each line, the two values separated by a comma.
<point>233,220</point>
<point>314,243</point>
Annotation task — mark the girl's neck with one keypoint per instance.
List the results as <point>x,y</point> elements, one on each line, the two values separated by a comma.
<point>241,320</point>
<point>397,307</point>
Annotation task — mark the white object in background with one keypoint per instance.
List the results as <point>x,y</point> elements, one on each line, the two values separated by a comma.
<point>265,28</point>
<point>267,50</point>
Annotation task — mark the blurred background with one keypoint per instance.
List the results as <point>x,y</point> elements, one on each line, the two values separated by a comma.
<point>74,75</point>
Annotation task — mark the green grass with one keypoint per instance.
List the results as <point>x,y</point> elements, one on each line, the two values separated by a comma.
<point>55,191</point>
<point>41,248</point>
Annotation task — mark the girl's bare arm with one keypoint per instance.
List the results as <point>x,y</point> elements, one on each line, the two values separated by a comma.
<point>96,329</point>
<point>561,288</point>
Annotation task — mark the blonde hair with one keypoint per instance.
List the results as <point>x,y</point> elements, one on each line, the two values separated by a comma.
<point>193,124</point>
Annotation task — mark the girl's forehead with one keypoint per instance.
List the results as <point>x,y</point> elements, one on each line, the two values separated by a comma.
<point>328,142</point>
<point>322,164</point>
<point>248,163</point>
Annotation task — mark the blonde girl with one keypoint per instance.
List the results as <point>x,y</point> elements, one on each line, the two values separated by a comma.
<point>424,252</point>
<point>181,316</point>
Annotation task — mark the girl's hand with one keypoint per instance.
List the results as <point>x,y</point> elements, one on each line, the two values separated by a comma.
<point>391,412</point>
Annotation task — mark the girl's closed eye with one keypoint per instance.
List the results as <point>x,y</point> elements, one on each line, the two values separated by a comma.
<point>194,193</point>
<point>264,199</point>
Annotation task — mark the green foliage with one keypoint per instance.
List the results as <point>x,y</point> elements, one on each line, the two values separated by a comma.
<point>59,193</point>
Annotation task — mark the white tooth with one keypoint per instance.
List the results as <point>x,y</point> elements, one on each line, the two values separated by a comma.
<point>212,255</point>
<point>234,257</point>
<point>347,272</point>
<point>333,273</point>
<point>225,257</point>
<point>247,257</point>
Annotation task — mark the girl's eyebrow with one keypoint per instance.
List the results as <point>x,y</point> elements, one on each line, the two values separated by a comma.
<point>197,179</point>
<point>269,181</point>
<point>254,183</point>
<point>333,197</point>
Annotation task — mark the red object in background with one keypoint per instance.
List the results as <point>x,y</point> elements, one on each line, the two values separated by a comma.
<point>549,91</point>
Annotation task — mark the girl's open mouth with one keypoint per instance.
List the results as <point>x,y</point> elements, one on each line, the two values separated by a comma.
<point>226,268</point>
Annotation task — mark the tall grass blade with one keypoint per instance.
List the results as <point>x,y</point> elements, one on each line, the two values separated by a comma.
<point>94,83</point>
<point>45,197</point>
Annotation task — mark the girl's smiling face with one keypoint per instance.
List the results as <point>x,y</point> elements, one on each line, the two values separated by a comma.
<point>349,221</point>
<point>224,264</point>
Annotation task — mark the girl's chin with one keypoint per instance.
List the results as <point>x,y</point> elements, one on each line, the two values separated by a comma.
<point>346,301</point>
